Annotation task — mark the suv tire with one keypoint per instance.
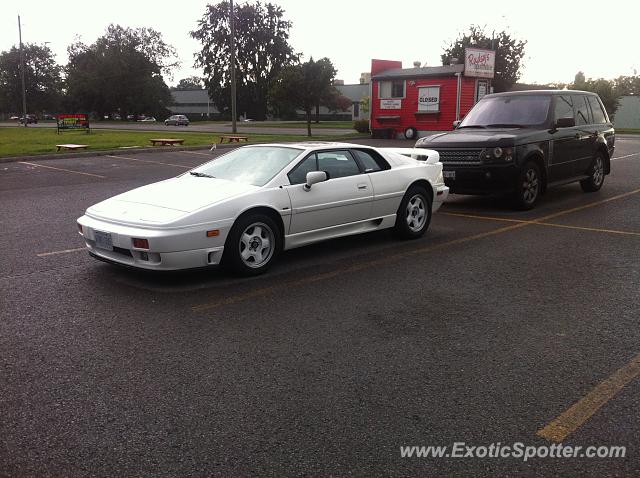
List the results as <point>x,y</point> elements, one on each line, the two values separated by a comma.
<point>528,187</point>
<point>596,175</point>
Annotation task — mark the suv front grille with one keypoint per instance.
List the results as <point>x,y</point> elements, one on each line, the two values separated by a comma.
<point>460,156</point>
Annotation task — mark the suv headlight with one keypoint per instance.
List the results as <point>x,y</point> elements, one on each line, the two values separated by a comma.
<point>505,154</point>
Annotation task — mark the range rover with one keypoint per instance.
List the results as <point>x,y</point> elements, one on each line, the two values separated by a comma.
<point>521,143</point>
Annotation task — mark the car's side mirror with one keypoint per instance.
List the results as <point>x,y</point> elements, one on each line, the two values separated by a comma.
<point>314,177</point>
<point>456,124</point>
<point>565,122</point>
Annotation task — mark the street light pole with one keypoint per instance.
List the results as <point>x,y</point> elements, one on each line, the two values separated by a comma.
<point>234,128</point>
<point>24,91</point>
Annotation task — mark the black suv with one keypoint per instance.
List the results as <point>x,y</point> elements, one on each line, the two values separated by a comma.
<point>522,142</point>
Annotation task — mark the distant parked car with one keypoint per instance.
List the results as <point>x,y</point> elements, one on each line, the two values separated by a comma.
<point>14,118</point>
<point>147,119</point>
<point>176,120</point>
<point>30,119</point>
<point>48,117</point>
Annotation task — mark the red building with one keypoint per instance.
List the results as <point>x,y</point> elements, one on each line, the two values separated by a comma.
<point>412,102</point>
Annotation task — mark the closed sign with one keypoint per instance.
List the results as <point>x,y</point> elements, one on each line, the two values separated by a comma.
<point>429,98</point>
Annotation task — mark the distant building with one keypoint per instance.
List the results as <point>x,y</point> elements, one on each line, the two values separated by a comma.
<point>628,113</point>
<point>365,78</point>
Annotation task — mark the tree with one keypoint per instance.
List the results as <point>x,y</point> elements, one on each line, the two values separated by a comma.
<point>262,51</point>
<point>122,71</point>
<point>190,83</point>
<point>298,86</point>
<point>324,72</point>
<point>335,101</point>
<point>627,85</point>
<point>509,54</point>
<point>604,88</point>
<point>43,81</point>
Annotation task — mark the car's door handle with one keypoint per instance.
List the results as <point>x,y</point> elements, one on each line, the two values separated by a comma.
<point>362,186</point>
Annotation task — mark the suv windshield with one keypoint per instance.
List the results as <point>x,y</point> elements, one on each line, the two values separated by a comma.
<point>508,112</point>
<point>255,165</point>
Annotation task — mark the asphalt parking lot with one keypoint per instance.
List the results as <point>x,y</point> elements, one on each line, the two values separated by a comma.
<point>486,330</point>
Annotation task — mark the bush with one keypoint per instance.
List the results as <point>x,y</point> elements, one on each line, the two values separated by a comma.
<point>361,126</point>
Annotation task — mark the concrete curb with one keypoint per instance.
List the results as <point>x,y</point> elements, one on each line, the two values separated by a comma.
<point>89,154</point>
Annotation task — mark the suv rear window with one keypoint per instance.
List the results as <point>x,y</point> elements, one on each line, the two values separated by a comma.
<point>599,116</point>
<point>581,109</point>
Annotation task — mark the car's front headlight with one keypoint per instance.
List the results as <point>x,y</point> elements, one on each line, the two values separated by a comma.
<point>505,154</point>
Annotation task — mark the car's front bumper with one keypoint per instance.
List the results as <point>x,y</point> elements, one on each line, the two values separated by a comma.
<point>187,248</point>
<point>482,179</point>
<point>441,192</point>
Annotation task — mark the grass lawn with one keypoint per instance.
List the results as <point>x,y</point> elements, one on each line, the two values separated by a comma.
<point>31,141</point>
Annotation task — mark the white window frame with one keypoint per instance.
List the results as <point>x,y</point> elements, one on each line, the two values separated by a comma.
<point>390,83</point>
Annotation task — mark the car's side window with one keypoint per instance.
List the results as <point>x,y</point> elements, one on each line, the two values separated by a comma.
<point>598,114</point>
<point>337,164</point>
<point>299,174</point>
<point>563,108</point>
<point>366,160</point>
<point>582,110</point>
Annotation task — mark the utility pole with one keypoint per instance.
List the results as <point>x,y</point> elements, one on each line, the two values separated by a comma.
<point>24,91</point>
<point>234,127</point>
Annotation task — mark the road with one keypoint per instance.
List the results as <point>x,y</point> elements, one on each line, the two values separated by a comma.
<point>485,330</point>
<point>195,127</point>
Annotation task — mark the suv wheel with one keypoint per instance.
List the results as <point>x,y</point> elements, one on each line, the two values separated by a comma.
<point>596,175</point>
<point>529,186</point>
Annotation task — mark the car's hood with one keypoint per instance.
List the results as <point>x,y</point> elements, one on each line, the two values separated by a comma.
<point>168,200</point>
<point>474,138</point>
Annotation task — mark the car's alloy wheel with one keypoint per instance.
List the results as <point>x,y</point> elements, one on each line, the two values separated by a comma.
<point>414,214</point>
<point>529,186</point>
<point>257,244</point>
<point>252,244</point>
<point>596,175</point>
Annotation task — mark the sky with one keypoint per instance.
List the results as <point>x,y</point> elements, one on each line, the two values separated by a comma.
<point>598,38</point>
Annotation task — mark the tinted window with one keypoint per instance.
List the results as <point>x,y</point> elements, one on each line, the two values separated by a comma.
<point>299,174</point>
<point>564,107</point>
<point>337,164</point>
<point>523,110</point>
<point>598,114</point>
<point>368,162</point>
<point>581,110</point>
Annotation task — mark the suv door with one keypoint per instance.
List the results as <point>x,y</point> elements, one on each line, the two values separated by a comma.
<point>346,196</point>
<point>586,133</point>
<point>565,142</point>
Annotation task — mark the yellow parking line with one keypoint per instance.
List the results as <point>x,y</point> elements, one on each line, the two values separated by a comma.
<point>148,161</point>
<point>576,415</point>
<point>62,169</point>
<point>65,251</point>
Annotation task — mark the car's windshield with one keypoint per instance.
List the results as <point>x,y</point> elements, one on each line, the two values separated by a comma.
<point>255,165</point>
<point>508,111</point>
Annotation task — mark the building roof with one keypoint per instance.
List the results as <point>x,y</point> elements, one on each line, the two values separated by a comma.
<point>401,73</point>
<point>190,96</point>
<point>354,92</point>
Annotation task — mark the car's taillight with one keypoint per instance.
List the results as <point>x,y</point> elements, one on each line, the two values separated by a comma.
<point>140,243</point>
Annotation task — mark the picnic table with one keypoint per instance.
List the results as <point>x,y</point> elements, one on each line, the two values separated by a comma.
<point>71,146</point>
<point>234,139</point>
<point>166,141</point>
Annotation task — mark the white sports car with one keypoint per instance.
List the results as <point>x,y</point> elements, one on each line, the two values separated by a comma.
<point>242,208</point>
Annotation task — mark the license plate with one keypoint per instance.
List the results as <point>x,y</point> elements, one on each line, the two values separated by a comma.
<point>449,174</point>
<point>103,240</point>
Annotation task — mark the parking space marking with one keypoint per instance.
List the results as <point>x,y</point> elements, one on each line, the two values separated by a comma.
<point>64,170</point>
<point>209,155</point>
<point>578,413</point>
<point>624,157</point>
<point>538,223</point>
<point>65,251</point>
<point>393,257</point>
<point>148,161</point>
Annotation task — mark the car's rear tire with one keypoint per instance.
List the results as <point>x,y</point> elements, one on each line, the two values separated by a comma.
<point>414,214</point>
<point>410,133</point>
<point>596,175</point>
<point>528,187</point>
<point>252,245</point>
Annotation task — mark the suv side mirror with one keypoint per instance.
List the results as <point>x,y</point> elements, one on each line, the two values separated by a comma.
<point>565,122</point>
<point>456,124</point>
<point>314,177</point>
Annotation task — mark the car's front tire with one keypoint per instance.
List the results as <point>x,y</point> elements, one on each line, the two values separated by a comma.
<point>414,214</point>
<point>253,244</point>
<point>529,187</point>
<point>596,175</point>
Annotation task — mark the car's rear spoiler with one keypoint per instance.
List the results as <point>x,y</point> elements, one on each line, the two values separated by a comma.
<point>421,154</point>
